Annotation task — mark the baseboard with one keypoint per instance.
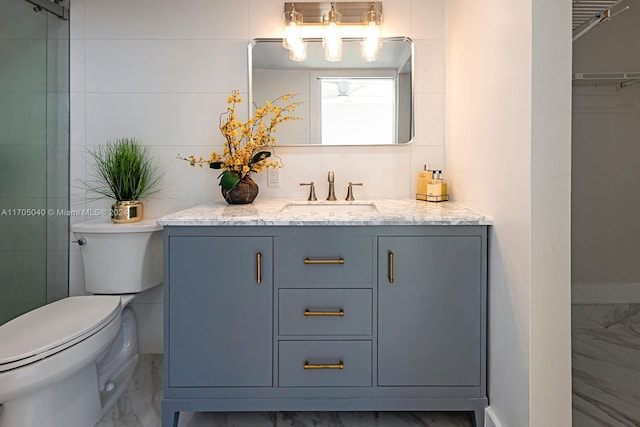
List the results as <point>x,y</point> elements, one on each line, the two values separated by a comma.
<point>490,418</point>
<point>605,293</point>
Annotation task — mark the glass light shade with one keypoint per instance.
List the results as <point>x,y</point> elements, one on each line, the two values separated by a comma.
<point>291,35</point>
<point>298,52</point>
<point>332,40</point>
<point>371,43</point>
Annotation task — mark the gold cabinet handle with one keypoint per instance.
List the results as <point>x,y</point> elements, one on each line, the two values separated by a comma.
<point>308,312</point>
<point>390,267</point>
<point>259,268</point>
<point>308,365</point>
<point>324,261</point>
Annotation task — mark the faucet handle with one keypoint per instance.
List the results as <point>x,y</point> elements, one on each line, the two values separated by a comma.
<point>312,191</point>
<point>350,191</point>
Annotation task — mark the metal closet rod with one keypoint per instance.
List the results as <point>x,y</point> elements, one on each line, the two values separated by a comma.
<point>52,6</point>
<point>604,16</point>
<point>597,79</point>
<point>628,83</point>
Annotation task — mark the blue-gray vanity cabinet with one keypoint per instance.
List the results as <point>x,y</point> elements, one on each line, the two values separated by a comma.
<point>220,311</point>
<point>327,318</point>
<point>430,314</point>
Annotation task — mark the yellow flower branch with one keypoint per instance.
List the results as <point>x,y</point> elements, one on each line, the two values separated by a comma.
<point>248,145</point>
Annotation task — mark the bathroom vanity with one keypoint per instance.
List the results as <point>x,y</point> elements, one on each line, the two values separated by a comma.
<point>280,306</point>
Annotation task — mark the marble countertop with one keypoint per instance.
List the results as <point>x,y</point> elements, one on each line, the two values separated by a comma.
<point>279,212</point>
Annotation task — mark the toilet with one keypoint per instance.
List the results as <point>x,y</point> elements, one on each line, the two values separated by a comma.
<point>68,362</point>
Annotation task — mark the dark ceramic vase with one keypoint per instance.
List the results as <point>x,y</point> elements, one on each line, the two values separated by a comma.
<point>243,193</point>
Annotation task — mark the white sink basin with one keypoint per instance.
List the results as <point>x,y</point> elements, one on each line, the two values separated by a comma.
<point>326,207</point>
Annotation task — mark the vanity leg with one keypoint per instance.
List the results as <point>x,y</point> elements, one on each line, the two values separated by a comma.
<point>479,417</point>
<point>169,416</point>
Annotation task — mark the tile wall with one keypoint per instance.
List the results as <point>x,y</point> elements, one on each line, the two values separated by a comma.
<point>161,71</point>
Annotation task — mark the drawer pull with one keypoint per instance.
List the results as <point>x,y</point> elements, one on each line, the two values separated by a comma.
<point>390,267</point>
<point>259,268</point>
<point>308,312</point>
<point>308,365</point>
<point>324,261</point>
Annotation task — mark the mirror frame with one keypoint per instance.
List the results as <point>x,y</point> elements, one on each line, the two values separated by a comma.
<point>255,41</point>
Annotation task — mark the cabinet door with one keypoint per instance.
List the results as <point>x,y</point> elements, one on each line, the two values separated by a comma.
<point>220,317</point>
<point>429,316</point>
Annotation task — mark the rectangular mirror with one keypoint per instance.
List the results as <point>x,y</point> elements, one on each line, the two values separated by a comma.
<point>350,102</point>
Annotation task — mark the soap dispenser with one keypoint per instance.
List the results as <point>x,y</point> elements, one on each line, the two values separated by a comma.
<point>424,176</point>
<point>437,188</point>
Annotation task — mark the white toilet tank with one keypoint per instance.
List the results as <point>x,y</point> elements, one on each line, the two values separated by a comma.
<point>120,258</point>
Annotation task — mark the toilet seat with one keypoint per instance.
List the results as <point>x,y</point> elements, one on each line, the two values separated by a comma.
<point>54,327</point>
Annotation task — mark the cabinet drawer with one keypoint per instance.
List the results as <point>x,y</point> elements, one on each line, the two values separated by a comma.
<point>325,311</point>
<point>313,259</point>
<point>324,363</point>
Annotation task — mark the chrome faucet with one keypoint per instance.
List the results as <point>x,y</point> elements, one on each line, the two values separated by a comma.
<point>332,191</point>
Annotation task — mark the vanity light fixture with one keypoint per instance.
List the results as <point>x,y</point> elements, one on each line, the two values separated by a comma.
<point>360,20</point>
<point>331,38</point>
<point>372,21</point>
<point>292,39</point>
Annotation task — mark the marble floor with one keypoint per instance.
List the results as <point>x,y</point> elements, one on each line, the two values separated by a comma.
<point>606,391</point>
<point>139,406</point>
<point>606,365</point>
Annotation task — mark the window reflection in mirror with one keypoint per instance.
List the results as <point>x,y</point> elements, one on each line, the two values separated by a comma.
<point>350,102</point>
<point>357,110</point>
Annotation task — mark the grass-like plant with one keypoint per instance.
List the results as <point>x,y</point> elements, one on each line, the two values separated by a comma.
<point>125,171</point>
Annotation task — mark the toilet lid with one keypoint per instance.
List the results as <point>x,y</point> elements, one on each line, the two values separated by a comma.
<point>54,327</point>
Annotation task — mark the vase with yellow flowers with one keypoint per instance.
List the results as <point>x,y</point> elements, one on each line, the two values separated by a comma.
<point>248,146</point>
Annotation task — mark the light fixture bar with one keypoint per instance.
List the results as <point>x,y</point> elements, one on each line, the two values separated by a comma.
<point>351,11</point>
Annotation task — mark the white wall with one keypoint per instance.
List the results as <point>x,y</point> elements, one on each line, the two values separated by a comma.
<point>507,149</point>
<point>606,150</point>
<point>161,71</point>
<point>550,286</point>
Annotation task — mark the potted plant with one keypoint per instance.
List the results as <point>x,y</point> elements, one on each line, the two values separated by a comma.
<point>125,171</point>
<point>247,146</point>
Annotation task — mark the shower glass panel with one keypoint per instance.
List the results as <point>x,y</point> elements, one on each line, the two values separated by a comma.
<point>34,157</point>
